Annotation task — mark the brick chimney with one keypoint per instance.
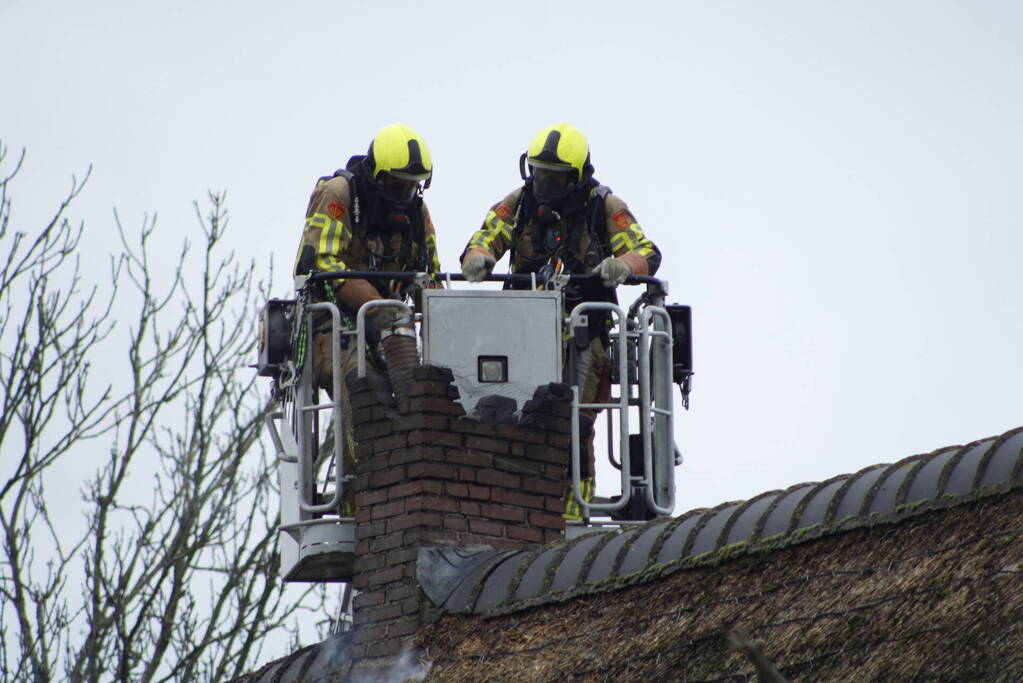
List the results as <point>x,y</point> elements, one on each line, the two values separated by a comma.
<point>427,475</point>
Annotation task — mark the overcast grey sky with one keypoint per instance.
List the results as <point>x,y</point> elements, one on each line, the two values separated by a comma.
<point>834,185</point>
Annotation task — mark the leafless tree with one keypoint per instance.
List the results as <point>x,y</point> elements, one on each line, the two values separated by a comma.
<point>162,565</point>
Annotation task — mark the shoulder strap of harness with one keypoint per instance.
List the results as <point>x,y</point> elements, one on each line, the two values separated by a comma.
<point>521,216</point>
<point>354,188</point>
<point>596,221</point>
<point>415,215</point>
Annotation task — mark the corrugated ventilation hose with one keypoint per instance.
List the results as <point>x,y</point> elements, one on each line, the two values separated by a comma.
<point>402,356</point>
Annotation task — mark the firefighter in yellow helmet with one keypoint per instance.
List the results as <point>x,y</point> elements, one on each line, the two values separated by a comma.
<point>369,216</point>
<point>563,220</point>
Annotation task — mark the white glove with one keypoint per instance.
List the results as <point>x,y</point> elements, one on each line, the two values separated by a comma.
<point>613,271</point>
<point>477,266</point>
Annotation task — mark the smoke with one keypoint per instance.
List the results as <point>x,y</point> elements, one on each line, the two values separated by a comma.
<point>407,668</point>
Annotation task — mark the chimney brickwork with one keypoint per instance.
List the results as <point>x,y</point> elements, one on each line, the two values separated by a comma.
<point>426,474</point>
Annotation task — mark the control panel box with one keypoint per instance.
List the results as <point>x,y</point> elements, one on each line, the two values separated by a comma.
<point>505,342</point>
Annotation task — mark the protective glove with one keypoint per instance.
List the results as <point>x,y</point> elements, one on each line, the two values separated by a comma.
<point>477,266</point>
<point>613,271</point>
<point>380,322</point>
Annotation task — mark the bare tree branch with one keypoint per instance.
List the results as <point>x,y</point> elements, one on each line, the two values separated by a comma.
<point>173,573</point>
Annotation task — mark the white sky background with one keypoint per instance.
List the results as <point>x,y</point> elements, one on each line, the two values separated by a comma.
<point>834,185</point>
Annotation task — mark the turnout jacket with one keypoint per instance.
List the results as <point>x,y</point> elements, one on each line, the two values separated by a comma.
<point>332,241</point>
<point>623,235</point>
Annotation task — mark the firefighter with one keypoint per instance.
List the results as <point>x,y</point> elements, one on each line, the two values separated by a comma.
<point>562,220</point>
<point>370,216</point>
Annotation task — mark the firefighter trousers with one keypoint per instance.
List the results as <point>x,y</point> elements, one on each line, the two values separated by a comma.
<point>322,356</point>
<point>593,371</point>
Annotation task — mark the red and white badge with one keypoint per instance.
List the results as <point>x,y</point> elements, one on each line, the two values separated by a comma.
<point>336,210</point>
<point>621,219</point>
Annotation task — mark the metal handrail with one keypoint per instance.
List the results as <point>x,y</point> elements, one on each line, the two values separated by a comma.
<point>336,333</point>
<point>335,346</point>
<point>360,327</point>
<point>648,405</point>
<point>458,277</point>
<point>622,406</point>
<point>656,418</point>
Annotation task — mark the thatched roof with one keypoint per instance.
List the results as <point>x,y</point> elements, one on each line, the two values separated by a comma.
<point>910,571</point>
<point>495,582</point>
<point>899,572</point>
<point>936,596</point>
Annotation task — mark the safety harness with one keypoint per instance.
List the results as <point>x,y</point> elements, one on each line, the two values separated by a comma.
<point>549,247</point>
<point>369,220</point>
<point>408,222</point>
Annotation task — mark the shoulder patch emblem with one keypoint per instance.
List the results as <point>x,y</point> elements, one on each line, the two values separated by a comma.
<point>503,211</point>
<point>336,210</point>
<point>621,219</point>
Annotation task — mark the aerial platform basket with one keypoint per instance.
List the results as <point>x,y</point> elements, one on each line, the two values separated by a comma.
<point>518,339</point>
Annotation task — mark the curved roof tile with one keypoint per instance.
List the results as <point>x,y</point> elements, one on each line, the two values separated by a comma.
<point>605,558</point>
<point>534,579</point>
<point>813,509</point>
<point>574,562</point>
<point>677,535</point>
<point>850,501</point>
<point>708,537</point>
<point>947,476</point>
<point>926,481</point>
<point>778,518</point>
<point>325,661</point>
<point>963,468</point>
<point>743,525</point>
<point>496,586</point>
<point>636,556</point>
<point>1002,461</point>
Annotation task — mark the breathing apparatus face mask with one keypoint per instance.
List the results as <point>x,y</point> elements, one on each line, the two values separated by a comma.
<point>552,186</point>
<point>397,191</point>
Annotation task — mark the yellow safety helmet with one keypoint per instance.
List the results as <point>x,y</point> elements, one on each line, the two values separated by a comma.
<point>401,153</point>
<point>559,147</point>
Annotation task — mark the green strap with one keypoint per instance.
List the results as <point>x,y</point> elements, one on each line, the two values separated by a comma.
<point>301,342</point>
